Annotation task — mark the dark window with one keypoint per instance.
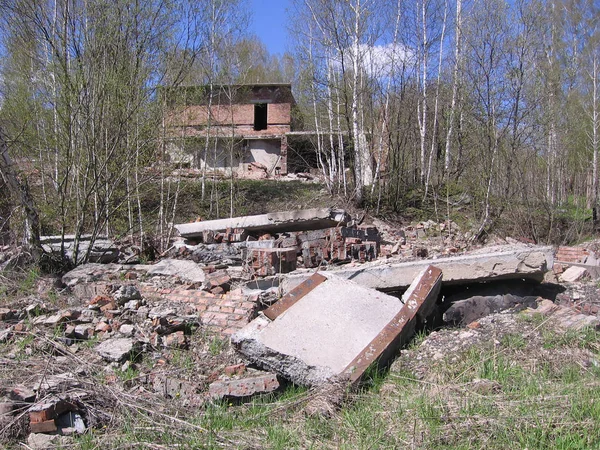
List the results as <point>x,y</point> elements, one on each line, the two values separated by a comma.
<point>260,116</point>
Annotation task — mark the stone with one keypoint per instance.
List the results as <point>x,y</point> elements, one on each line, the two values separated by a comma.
<point>83,331</point>
<point>463,312</point>
<point>22,394</point>
<point>319,331</point>
<point>126,293</point>
<point>39,441</point>
<point>132,304</point>
<point>127,329</point>
<point>5,335</point>
<point>246,387</point>
<point>220,278</point>
<point>237,369</point>
<point>573,274</point>
<point>175,340</point>
<point>117,349</point>
<point>186,270</point>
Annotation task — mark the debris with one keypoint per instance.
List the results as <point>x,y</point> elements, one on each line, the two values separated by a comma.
<point>117,349</point>
<point>320,330</point>
<point>496,263</point>
<point>126,293</point>
<point>304,219</point>
<point>563,316</point>
<point>270,261</point>
<point>186,270</point>
<point>466,311</point>
<point>246,387</point>
<point>574,273</point>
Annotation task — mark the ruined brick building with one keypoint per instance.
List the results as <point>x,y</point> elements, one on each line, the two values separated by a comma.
<point>230,130</point>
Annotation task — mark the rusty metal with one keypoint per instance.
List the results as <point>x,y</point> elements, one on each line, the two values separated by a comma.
<point>293,296</point>
<point>401,327</point>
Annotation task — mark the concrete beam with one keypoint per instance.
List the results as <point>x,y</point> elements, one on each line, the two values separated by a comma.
<point>505,262</point>
<point>299,220</point>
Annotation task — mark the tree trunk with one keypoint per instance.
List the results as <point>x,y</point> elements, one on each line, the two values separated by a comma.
<point>20,194</point>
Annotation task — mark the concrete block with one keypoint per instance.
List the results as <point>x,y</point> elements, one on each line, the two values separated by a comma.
<point>333,327</point>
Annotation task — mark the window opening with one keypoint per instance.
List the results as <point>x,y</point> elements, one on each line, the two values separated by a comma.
<point>260,116</point>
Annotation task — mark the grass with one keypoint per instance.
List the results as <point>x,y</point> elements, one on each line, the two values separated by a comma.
<point>532,387</point>
<point>514,394</point>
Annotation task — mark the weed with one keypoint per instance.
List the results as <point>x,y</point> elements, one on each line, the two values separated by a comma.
<point>513,341</point>
<point>217,345</point>
<point>28,283</point>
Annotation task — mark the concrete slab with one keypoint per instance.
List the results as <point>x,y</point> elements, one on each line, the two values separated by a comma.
<point>299,220</point>
<point>514,262</point>
<point>332,327</point>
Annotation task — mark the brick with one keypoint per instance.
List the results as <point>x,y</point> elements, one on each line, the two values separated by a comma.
<point>236,369</point>
<point>47,426</point>
<point>243,388</point>
<point>226,309</point>
<point>175,340</point>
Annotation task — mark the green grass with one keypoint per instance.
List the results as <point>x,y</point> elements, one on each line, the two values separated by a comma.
<point>512,394</point>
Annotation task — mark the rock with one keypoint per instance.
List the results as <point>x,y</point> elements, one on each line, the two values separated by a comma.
<point>5,335</point>
<point>186,270</point>
<point>573,274</point>
<point>127,329</point>
<point>83,331</point>
<point>467,311</point>
<point>39,441</point>
<point>117,349</point>
<point>22,394</point>
<point>132,304</point>
<point>88,273</point>
<point>126,293</point>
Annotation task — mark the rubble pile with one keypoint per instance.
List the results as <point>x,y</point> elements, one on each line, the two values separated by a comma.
<point>310,297</point>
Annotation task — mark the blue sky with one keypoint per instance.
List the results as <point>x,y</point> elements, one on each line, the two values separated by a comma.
<point>268,22</point>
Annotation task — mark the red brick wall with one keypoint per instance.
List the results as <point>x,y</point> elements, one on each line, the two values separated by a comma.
<point>197,115</point>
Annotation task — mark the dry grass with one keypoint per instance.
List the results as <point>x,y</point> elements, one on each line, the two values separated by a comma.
<point>534,389</point>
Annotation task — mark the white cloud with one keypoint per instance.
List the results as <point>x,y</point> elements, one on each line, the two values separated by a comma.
<point>377,60</point>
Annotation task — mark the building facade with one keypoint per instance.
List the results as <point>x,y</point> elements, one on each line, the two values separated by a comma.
<point>230,130</point>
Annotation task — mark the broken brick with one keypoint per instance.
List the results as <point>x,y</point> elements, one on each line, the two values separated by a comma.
<point>245,387</point>
<point>47,426</point>
<point>237,369</point>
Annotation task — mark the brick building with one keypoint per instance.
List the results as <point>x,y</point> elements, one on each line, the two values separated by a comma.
<point>240,130</point>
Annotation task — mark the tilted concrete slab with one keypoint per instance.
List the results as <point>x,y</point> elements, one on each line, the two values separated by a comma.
<point>331,327</point>
<point>299,220</point>
<point>493,264</point>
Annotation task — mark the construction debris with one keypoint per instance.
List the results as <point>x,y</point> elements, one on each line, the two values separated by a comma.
<point>299,220</point>
<point>320,330</point>
<point>513,262</point>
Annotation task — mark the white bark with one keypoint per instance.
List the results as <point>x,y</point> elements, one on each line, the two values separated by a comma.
<point>455,73</point>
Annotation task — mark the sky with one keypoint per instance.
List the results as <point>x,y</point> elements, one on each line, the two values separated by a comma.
<point>268,23</point>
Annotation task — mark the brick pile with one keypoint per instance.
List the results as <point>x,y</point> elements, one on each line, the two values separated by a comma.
<point>220,313</point>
